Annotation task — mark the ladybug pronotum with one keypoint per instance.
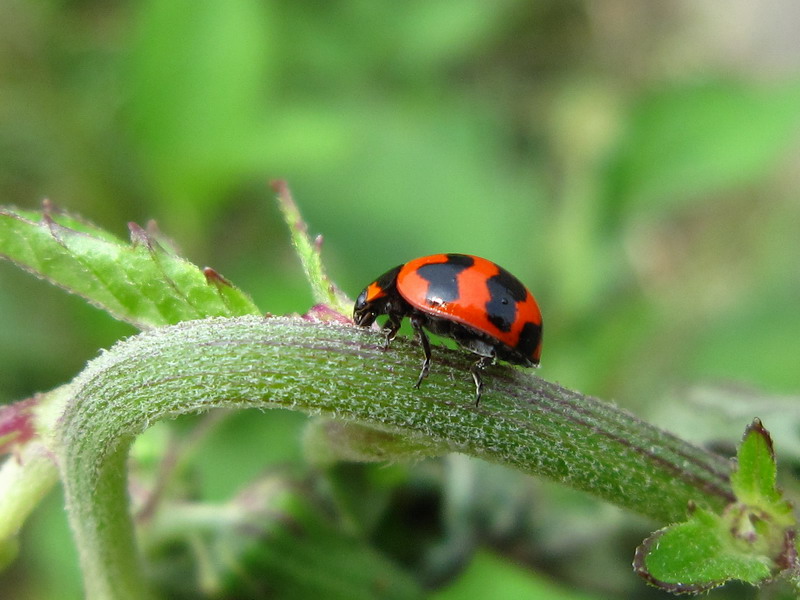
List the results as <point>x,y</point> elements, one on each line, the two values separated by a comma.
<point>480,305</point>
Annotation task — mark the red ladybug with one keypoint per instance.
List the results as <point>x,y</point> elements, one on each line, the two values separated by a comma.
<point>477,303</point>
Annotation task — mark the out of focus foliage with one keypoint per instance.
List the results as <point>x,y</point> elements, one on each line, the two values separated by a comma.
<point>635,164</point>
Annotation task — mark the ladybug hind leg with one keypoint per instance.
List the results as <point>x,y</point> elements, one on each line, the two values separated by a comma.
<point>416,323</point>
<point>476,369</point>
<point>484,348</point>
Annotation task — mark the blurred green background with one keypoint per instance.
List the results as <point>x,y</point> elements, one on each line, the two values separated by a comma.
<point>635,164</point>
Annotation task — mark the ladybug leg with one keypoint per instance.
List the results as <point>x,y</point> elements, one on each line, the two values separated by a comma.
<point>426,348</point>
<point>476,369</point>
<point>390,329</point>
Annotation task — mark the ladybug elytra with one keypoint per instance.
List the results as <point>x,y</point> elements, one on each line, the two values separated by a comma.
<point>477,303</point>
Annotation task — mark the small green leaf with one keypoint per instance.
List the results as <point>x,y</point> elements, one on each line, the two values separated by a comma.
<point>753,481</point>
<point>142,283</point>
<point>752,540</point>
<point>696,556</point>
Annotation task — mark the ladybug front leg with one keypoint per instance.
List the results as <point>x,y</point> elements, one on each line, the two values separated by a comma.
<point>390,329</point>
<point>476,369</point>
<point>416,323</point>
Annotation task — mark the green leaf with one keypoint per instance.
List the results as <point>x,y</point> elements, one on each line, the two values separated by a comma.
<point>697,555</point>
<point>489,576</point>
<point>142,283</point>
<point>275,540</point>
<point>752,540</point>
<point>754,479</point>
<point>324,562</point>
<point>696,139</point>
<point>708,414</point>
<point>197,72</point>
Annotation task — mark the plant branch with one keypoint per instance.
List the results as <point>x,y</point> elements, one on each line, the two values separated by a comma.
<point>310,253</point>
<point>341,372</point>
<point>24,480</point>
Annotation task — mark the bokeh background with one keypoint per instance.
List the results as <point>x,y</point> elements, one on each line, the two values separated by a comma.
<point>635,164</point>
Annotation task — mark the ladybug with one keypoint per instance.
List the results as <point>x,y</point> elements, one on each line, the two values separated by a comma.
<point>479,304</point>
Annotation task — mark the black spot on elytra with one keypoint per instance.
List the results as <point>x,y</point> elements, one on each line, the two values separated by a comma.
<point>505,291</point>
<point>442,278</point>
<point>460,259</point>
<point>511,284</point>
<point>388,279</point>
<point>529,339</point>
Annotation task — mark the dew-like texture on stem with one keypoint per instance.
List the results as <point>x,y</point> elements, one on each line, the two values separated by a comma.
<point>341,372</point>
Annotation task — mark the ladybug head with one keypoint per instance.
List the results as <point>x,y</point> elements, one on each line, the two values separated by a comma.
<point>365,311</point>
<point>376,299</point>
<point>363,314</point>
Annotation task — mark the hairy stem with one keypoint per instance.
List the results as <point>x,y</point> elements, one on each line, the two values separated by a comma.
<point>341,372</point>
<point>24,480</point>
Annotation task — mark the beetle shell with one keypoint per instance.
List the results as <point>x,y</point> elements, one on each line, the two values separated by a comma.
<point>469,299</point>
<point>479,294</point>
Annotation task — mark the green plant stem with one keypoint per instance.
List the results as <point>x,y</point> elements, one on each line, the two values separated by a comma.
<point>24,481</point>
<point>97,505</point>
<point>341,372</point>
<point>310,253</point>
